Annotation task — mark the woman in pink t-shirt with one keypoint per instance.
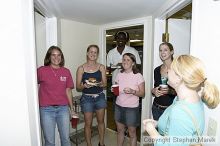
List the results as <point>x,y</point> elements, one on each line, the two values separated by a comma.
<point>55,97</point>
<point>131,87</point>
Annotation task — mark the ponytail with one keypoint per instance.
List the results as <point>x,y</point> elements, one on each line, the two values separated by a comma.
<point>210,95</point>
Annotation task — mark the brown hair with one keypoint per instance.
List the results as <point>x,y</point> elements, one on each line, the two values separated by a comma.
<point>95,46</point>
<point>47,59</point>
<point>169,45</point>
<point>134,67</point>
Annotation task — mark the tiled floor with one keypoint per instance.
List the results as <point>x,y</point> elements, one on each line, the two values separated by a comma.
<point>110,139</point>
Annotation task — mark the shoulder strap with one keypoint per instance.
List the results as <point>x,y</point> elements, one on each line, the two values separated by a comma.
<point>168,123</point>
<point>189,112</point>
<point>167,126</point>
<point>83,68</point>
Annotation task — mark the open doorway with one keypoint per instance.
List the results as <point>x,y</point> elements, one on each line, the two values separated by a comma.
<point>136,41</point>
<point>178,27</point>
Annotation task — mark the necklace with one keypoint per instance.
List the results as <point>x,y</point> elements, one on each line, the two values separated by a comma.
<point>91,67</point>
<point>165,69</point>
<point>55,73</point>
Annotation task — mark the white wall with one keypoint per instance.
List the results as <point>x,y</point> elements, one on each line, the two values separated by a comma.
<point>18,107</point>
<point>205,44</point>
<point>159,29</point>
<point>75,38</point>
<point>40,34</point>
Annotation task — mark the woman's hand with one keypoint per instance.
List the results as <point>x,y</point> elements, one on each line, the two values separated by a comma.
<point>100,84</point>
<point>128,90</point>
<point>73,114</point>
<point>85,85</point>
<point>149,126</point>
<point>152,121</point>
<point>158,91</point>
<point>164,90</point>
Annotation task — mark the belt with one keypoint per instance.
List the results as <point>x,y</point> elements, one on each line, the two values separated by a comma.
<point>56,106</point>
<point>93,95</point>
<point>160,106</point>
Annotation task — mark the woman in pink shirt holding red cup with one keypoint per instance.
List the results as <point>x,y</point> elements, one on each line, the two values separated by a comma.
<point>129,87</point>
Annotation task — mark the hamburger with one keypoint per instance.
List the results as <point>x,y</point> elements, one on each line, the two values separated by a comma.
<point>92,80</point>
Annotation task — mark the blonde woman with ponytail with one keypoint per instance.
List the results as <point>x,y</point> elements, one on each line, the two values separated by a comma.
<point>185,117</point>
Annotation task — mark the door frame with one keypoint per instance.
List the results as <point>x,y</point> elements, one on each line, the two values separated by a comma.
<point>160,16</point>
<point>152,26</point>
<point>147,56</point>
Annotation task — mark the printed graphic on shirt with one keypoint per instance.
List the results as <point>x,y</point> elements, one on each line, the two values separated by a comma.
<point>63,79</point>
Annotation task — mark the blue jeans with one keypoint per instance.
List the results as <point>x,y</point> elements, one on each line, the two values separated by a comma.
<point>49,117</point>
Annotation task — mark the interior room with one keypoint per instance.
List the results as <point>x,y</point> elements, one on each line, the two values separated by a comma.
<point>38,24</point>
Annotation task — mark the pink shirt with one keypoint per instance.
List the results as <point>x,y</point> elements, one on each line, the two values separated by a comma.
<point>132,81</point>
<point>53,84</point>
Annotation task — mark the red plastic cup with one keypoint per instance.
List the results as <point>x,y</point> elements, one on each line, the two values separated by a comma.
<point>74,122</point>
<point>115,89</point>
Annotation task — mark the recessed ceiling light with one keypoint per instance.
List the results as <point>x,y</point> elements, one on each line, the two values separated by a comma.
<point>132,41</point>
<point>108,35</point>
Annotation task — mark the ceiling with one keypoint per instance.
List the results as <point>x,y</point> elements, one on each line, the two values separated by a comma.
<point>136,32</point>
<point>98,12</point>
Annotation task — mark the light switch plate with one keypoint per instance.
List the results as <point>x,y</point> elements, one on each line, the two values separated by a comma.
<point>212,127</point>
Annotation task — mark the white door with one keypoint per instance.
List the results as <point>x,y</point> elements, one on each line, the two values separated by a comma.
<point>179,35</point>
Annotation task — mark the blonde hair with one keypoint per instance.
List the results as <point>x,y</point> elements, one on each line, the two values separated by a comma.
<point>192,72</point>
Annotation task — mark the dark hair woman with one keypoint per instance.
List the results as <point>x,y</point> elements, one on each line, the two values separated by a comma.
<point>55,97</point>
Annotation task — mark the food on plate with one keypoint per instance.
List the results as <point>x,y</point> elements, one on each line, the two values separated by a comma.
<point>92,81</point>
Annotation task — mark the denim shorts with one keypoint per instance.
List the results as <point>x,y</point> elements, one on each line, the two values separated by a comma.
<point>90,103</point>
<point>127,116</point>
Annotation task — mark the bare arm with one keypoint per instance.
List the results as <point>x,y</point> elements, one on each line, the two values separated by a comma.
<point>159,92</point>
<point>149,126</point>
<point>104,80</point>
<point>79,84</point>
<point>139,93</point>
<point>69,96</point>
